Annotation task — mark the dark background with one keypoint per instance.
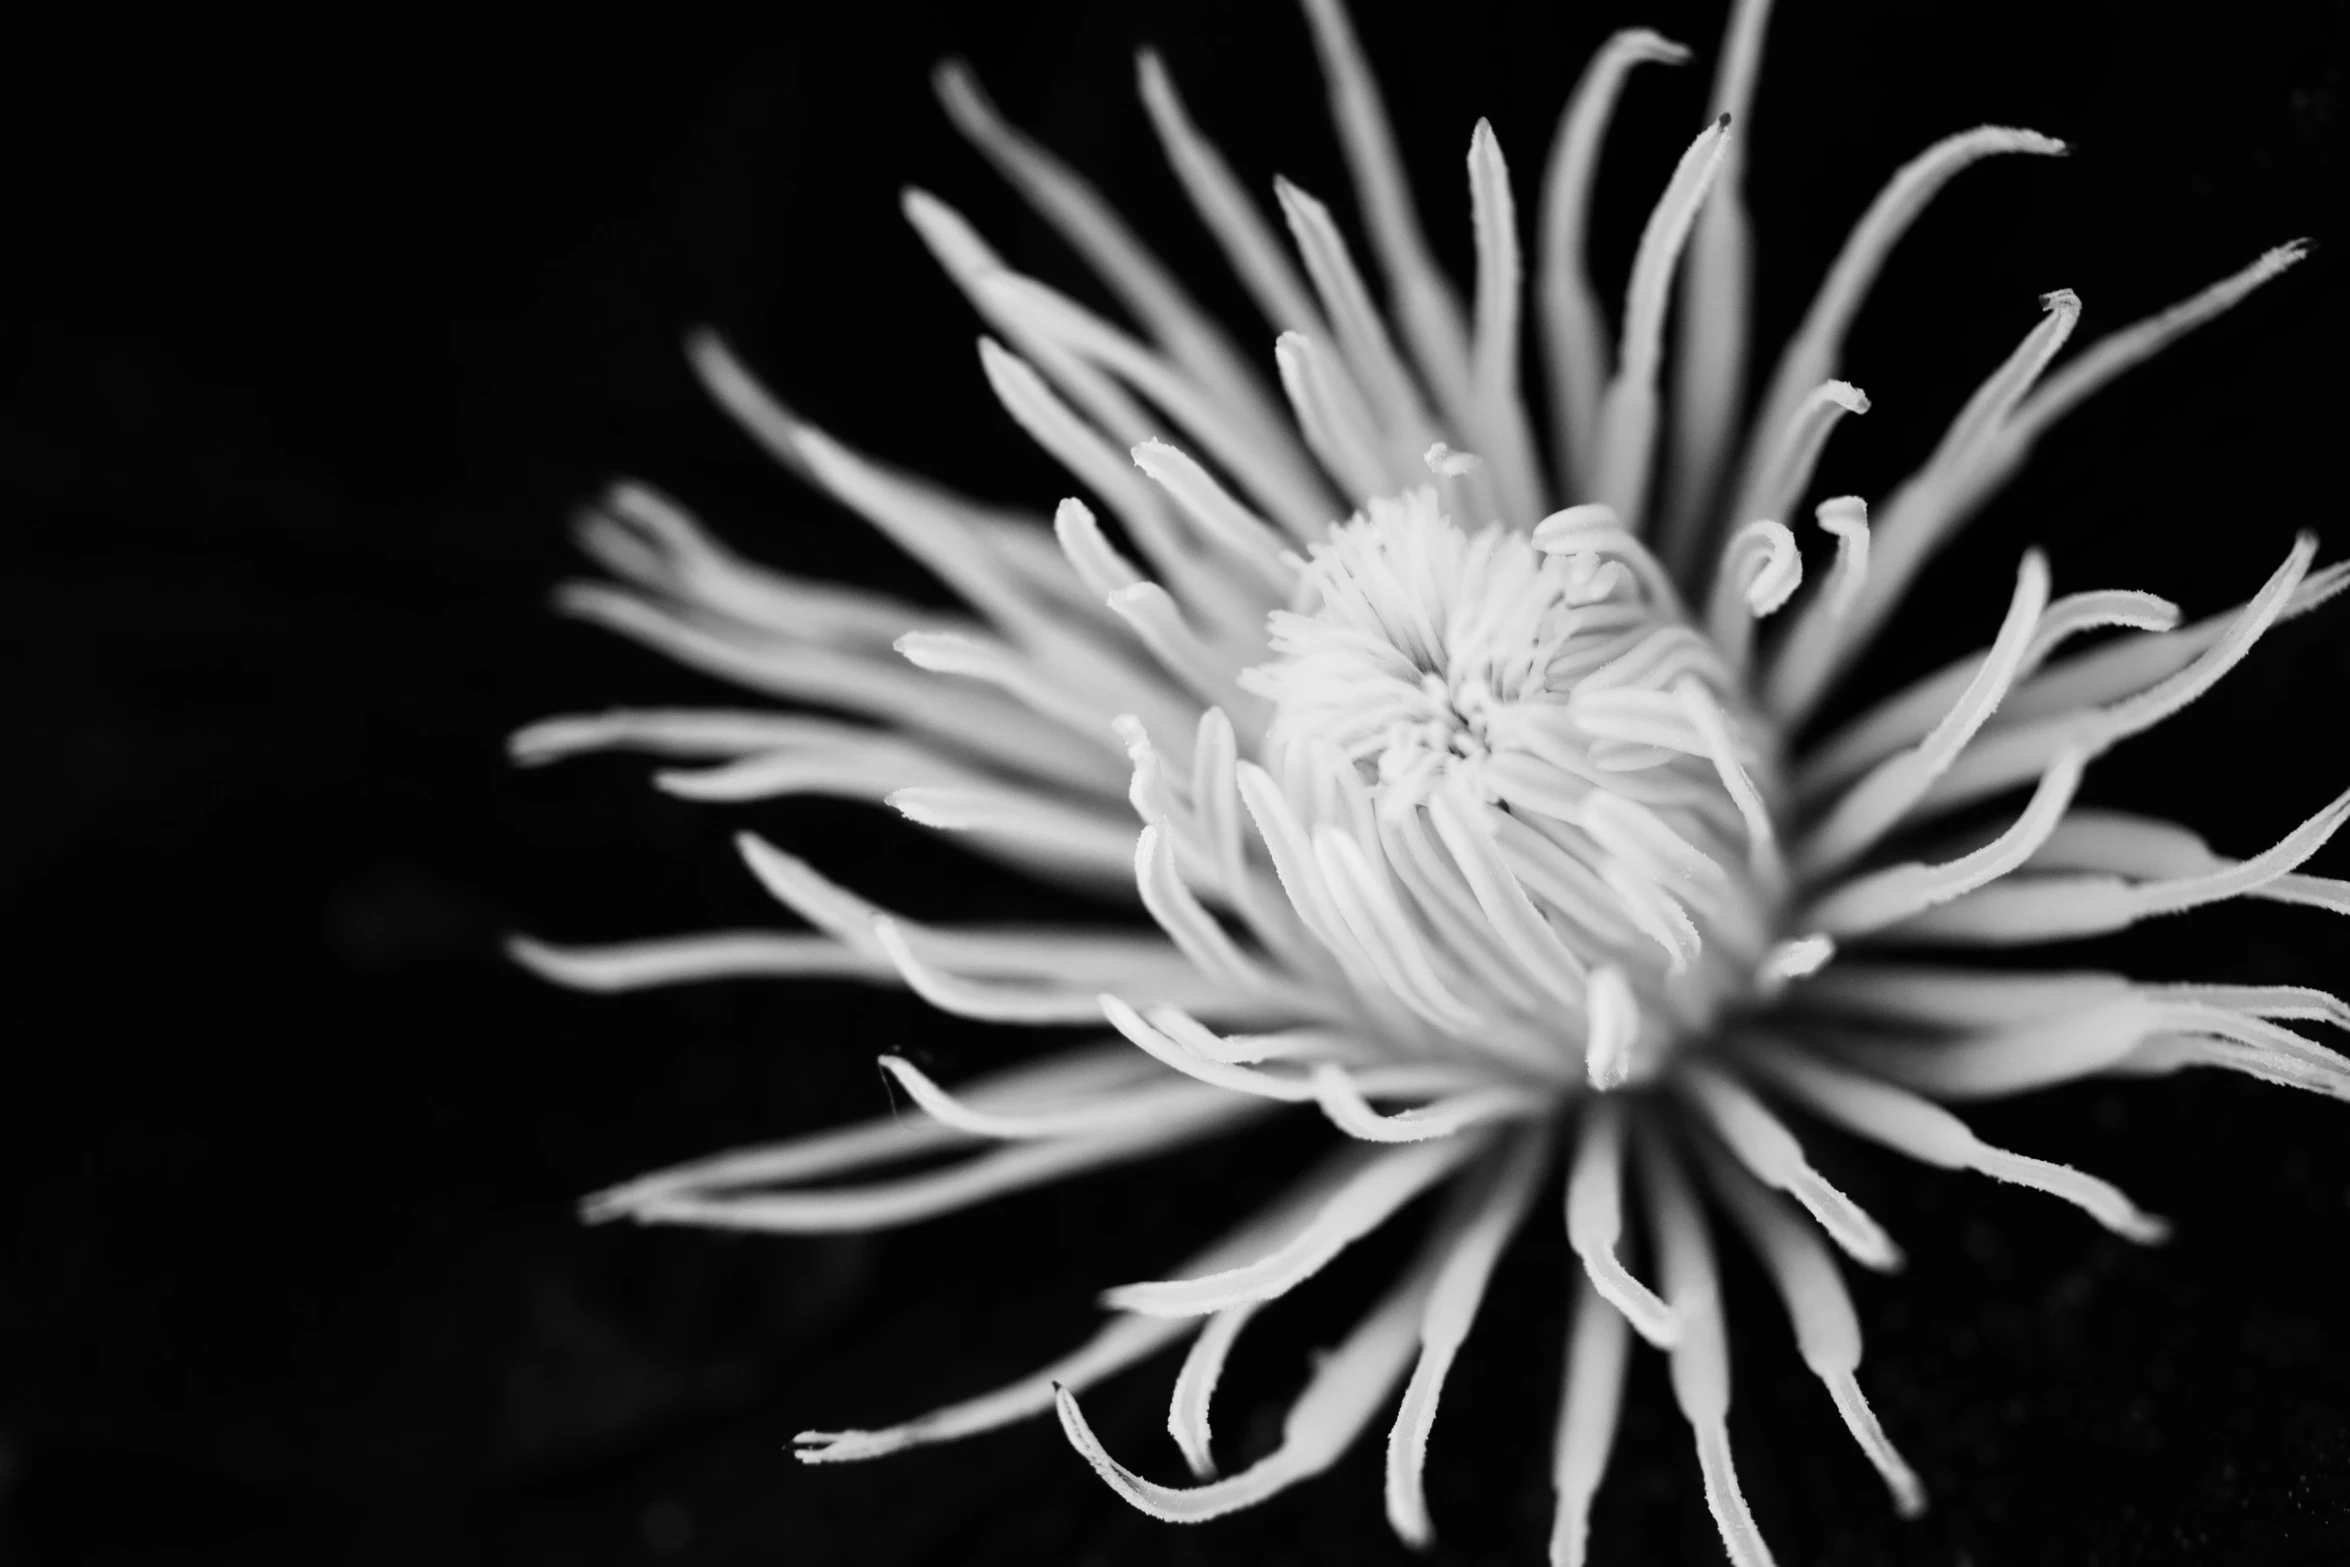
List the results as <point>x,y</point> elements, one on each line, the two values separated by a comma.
<point>321,322</point>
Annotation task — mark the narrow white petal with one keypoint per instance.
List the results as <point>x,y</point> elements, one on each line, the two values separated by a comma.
<point>2128,665</point>
<point>1519,926</point>
<point>1597,1352</point>
<point>1700,1361</point>
<point>1361,334</point>
<point>1811,355</point>
<point>1187,923</point>
<point>1274,471</point>
<point>1096,462</point>
<point>1095,560</point>
<point>1050,829</point>
<point>1342,1099</point>
<point>1007,669</point>
<point>2297,1003</point>
<point>1148,965</point>
<point>644,537</point>
<point>1614,1026</point>
<point>2016,751</point>
<point>1093,227</point>
<point>1595,1224</point>
<point>1330,413</point>
<point>1032,1085</point>
<point>1424,303</point>
<point>968,261</point>
<point>1882,898</point>
<point>1498,429</point>
<point>1195,1385</point>
<point>1381,1185</point>
<point>1103,1113</point>
<point>1907,716</point>
<point>1291,851</point>
<point>1798,957</point>
<point>2016,1058</point>
<point>1034,1001</point>
<point>859,768</point>
<point>1827,1331</point>
<point>2245,1030</point>
<point>1765,1146</point>
<point>1918,518</point>
<point>2166,1053</point>
<point>1177,1040</point>
<point>943,531</point>
<point>1224,206</point>
<point>1628,413</point>
<point>683,960</point>
<point>1763,860</point>
<point>1201,668</point>
<point>2024,909</point>
<point>1880,801</point>
<point>1474,1228</point>
<point>681,732</point>
<point>1955,998</point>
<point>1955,486</point>
<point>1348,1384</point>
<point>1219,518</point>
<point>1910,1124</point>
<point>911,1199</point>
<point>2116,352</point>
<point>1120,1343</point>
<point>1574,334</point>
<point>1760,569</point>
<point>2123,844</point>
<point>1710,350</point>
<point>1786,471</point>
<point>871,684</point>
<point>1367,904</point>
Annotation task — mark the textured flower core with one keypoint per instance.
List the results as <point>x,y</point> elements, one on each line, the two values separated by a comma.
<point>1535,707</point>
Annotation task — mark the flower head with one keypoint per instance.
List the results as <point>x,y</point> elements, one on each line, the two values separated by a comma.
<point>1470,780</point>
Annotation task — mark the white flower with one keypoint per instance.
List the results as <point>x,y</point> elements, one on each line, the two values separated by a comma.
<point>1476,820</point>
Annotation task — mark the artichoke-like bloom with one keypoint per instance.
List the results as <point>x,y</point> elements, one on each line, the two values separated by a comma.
<point>1473,813</point>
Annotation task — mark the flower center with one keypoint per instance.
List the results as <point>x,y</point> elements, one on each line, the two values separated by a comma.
<point>1534,793</point>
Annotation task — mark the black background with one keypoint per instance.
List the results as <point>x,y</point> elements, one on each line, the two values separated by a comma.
<point>322,321</point>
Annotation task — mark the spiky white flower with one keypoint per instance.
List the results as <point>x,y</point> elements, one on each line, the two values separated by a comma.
<point>1474,822</point>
